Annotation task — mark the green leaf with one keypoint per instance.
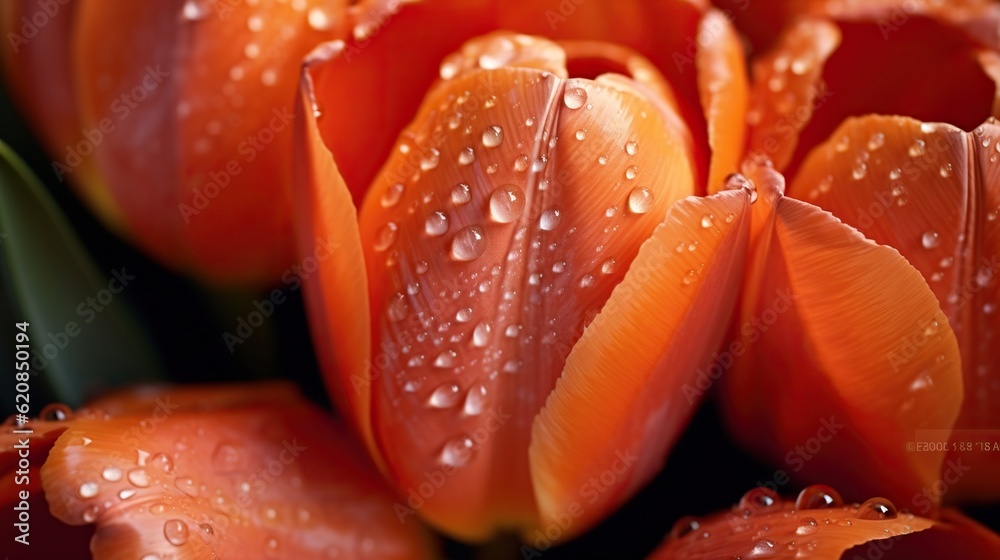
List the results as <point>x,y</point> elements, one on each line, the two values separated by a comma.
<point>84,337</point>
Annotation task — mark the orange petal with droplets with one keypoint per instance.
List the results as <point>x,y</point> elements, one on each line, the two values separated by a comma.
<point>932,191</point>
<point>722,81</point>
<point>848,355</point>
<point>635,369</point>
<point>781,530</point>
<point>504,217</point>
<point>891,52</point>
<point>224,478</point>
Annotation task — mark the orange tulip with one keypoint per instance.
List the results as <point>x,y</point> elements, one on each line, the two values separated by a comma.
<point>923,188</point>
<point>520,203</point>
<point>817,524</point>
<point>223,471</point>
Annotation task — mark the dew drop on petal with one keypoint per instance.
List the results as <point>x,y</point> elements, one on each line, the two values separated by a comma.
<point>549,220</point>
<point>481,335</point>
<point>758,500</point>
<point>930,239</point>
<point>877,509</point>
<point>506,204</point>
<point>392,195</point>
<point>88,489</point>
<point>466,156</point>
<point>631,147</point>
<point>917,149</point>
<point>436,224</point>
<point>138,477</point>
<point>176,532</point>
<point>475,400</point>
<point>458,452</point>
<point>574,97</point>
<point>111,474</point>
<point>430,160</point>
<point>385,236</point>
<point>460,194</point>
<point>444,396</point>
<point>818,496</point>
<point>684,526</point>
<point>706,221</point>
<point>640,200</point>
<point>446,359</point>
<point>876,141</point>
<point>492,136</point>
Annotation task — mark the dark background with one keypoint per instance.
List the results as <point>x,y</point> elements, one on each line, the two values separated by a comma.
<point>705,472</point>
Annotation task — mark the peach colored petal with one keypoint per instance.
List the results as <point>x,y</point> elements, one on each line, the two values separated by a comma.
<point>635,369</point>
<point>872,357</point>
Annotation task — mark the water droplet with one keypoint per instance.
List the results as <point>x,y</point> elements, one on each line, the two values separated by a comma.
<point>187,486</point>
<point>574,98</point>
<point>559,267</point>
<point>90,513</point>
<point>930,239</point>
<point>521,162</point>
<point>252,51</point>
<point>807,526</point>
<point>800,66</point>
<point>860,169</point>
<point>989,308</point>
<point>945,170</point>
<point>631,172</point>
<point>162,462</point>
<point>759,500</point>
<point>385,236</point>
<point>319,19</point>
<point>446,359</point>
<point>842,143</point>
<point>876,509</point>
<point>506,204</point>
<point>763,548</point>
<point>468,244</point>
<point>706,221</point>
<point>138,477</point>
<point>193,10</point>
<point>684,526</point>
<point>460,194</point>
<point>436,224</point>
<point>497,53</point>
<point>430,160</point>
<point>176,532</point>
<point>529,121</point>
<point>640,200</point>
<point>549,220</point>
<point>737,181</point>
<point>895,173</point>
<point>539,164</point>
<point>227,458</point>
<point>587,281</point>
<point>111,474</point>
<point>151,556</point>
<point>458,452</point>
<point>126,493</point>
<point>609,266</point>
<point>481,334</point>
<point>818,496</point>
<point>397,308</point>
<point>475,400</point>
<point>631,147</point>
<point>603,160</point>
<point>581,134</point>
<point>392,195</point>
<point>89,489</point>
<point>876,141</point>
<point>464,315</point>
<point>917,149</point>
<point>444,396</point>
<point>56,412</point>
<point>466,156</point>
<point>492,136</point>
<point>689,278</point>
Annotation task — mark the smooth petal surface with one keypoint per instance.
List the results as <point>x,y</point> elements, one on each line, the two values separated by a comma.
<point>873,356</point>
<point>635,369</point>
<point>507,213</point>
<point>219,476</point>
<point>781,530</point>
<point>881,64</point>
<point>196,101</point>
<point>931,191</point>
<point>724,87</point>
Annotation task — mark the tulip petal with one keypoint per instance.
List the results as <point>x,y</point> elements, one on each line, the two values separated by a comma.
<point>890,52</point>
<point>788,86</point>
<point>722,81</point>
<point>848,349</point>
<point>503,219</point>
<point>221,479</point>
<point>781,531</point>
<point>635,371</point>
<point>932,191</point>
<point>337,292</point>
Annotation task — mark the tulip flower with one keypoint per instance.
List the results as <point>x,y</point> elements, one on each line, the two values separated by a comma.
<point>817,524</point>
<point>214,471</point>
<point>519,203</point>
<point>903,183</point>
